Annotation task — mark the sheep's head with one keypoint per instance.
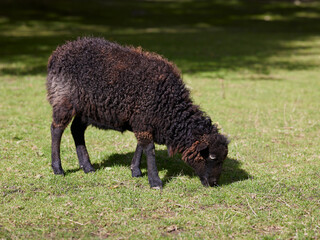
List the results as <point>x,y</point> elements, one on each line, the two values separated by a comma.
<point>206,156</point>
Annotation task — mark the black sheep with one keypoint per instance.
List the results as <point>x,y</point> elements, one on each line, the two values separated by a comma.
<point>100,83</point>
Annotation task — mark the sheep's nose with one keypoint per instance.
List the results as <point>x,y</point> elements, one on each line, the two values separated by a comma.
<point>209,182</point>
<point>204,181</point>
<point>213,183</point>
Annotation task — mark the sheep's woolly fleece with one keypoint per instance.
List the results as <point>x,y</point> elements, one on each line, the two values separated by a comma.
<point>124,88</point>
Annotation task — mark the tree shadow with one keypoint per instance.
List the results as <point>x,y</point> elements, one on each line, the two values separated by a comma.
<point>174,166</point>
<point>214,36</point>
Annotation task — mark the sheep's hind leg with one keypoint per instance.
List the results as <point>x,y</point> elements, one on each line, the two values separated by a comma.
<point>77,129</point>
<point>136,160</point>
<point>61,118</point>
<point>56,134</point>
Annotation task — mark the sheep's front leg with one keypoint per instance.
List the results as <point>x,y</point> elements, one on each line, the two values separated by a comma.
<point>136,160</point>
<point>153,176</point>
<point>145,142</point>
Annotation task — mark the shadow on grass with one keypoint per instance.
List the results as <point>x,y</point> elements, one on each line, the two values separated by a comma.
<point>174,167</point>
<point>213,36</point>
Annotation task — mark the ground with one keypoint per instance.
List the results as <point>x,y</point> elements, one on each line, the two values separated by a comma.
<point>252,66</point>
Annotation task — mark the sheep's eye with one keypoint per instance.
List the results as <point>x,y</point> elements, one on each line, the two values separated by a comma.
<point>212,156</point>
<point>205,153</point>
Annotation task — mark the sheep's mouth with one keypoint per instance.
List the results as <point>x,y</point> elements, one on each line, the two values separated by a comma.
<point>209,183</point>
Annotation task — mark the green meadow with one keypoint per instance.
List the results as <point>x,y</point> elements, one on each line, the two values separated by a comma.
<point>252,66</point>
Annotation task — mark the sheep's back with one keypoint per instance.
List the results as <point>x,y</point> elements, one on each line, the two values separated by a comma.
<point>100,67</point>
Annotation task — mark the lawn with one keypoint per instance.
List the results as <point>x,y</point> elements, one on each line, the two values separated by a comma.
<point>252,66</point>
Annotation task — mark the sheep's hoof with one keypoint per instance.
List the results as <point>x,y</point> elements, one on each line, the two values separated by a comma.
<point>156,184</point>
<point>58,172</point>
<point>88,169</point>
<point>136,172</point>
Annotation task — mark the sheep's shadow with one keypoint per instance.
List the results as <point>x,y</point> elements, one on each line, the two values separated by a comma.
<point>174,166</point>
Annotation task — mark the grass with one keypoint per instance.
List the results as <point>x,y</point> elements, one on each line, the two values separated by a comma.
<point>253,67</point>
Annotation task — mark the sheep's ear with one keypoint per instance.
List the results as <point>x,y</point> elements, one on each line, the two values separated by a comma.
<point>201,146</point>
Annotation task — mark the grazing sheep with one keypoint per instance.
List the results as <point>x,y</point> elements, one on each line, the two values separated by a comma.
<point>100,83</point>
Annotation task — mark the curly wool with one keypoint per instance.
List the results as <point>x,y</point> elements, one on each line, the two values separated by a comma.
<point>124,88</point>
